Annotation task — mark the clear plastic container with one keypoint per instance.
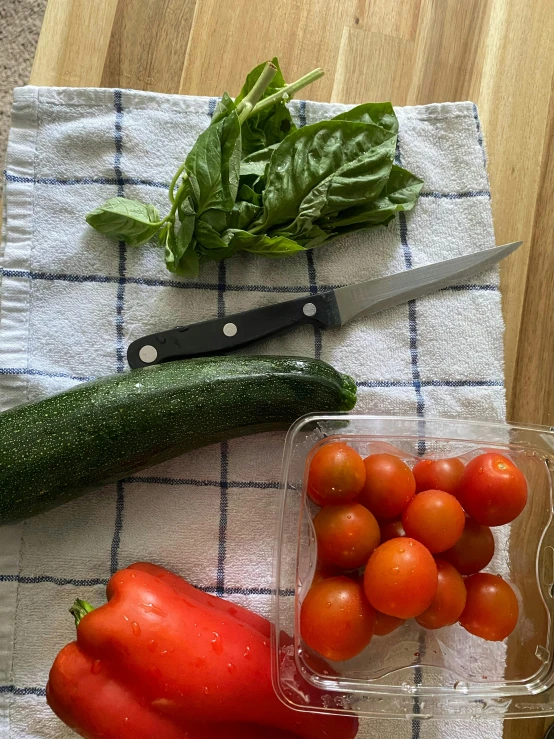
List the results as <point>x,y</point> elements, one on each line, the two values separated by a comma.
<point>413,672</point>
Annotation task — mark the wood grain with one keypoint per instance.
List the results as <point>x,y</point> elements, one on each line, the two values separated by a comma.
<point>368,68</point>
<point>499,53</point>
<point>513,104</point>
<point>289,29</point>
<point>156,62</point>
<point>533,386</point>
<point>398,19</point>
<point>73,43</point>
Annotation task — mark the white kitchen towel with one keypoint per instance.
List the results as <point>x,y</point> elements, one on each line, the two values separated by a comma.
<point>71,301</point>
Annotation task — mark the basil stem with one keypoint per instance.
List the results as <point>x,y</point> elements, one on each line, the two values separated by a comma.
<point>288,90</point>
<point>174,182</point>
<point>244,108</point>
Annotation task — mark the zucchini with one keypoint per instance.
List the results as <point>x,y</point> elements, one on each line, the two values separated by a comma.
<point>55,450</point>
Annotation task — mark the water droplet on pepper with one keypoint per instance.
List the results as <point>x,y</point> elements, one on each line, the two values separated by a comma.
<point>217,646</point>
<point>151,608</point>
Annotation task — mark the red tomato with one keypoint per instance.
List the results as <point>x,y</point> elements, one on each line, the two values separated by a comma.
<point>449,601</point>
<point>317,499</point>
<point>438,474</point>
<point>389,485</point>
<point>493,490</point>
<point>400,578</point>
<point>491,610</point>
<point>324,571</point>
<point>385,624</point>
<point>434,518</point>
<point>392,530</point>
<point>337,474</point>
<point>346,535</point>
<point>336,620</point>
<point>473,550</point>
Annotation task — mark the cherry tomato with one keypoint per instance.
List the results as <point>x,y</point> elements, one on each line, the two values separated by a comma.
<point>492,490</point>
<point>392,530</point>
<point>449,601</point>
<point>434,518</point>
<point>401,578</point>
<point>336,619</point>
<point>438,474</point>
<point>346,535</point>
<point>317,499</point>
<point>337,474</point>
<point>473,550</point>
<point>389,485</point>
<point>491,610</point>
<point>385,624</point>
<point>324,571</point>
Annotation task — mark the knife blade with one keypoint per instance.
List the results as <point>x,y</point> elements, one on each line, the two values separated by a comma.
<point>324,310</point>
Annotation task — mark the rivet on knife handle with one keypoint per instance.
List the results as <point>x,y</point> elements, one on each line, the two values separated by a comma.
<point>231,332</point>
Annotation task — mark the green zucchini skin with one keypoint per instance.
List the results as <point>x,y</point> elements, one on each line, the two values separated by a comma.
<point>57,449</point>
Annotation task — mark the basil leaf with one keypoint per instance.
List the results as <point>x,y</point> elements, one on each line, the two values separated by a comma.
<point>183,196</point>
<point>399,194</point>
<point>250,195</point>
<point>213,246</point>
<point>310,155</point>
<point>208,237</point>
<point>162,233</point>
<point>217,219</point>
<point>266,128</point>
<point>223,108</point>
<point>311,238</point>
<point>213,165</point>
<point>359,181</point>
<point>273,247</point>
<point>254,184</point>
<point>180,256</point>
<point>356,182</point>
<point>243,214</point>
<point>360,226</point>
<point>170,249</point>
<point>256,163</point>
<point>184,236</point>
<point>126,220</point>
<point>381,114</point>
<point>189,262</point>
<point>269,126</point>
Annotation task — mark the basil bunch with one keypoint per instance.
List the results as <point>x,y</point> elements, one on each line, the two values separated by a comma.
<point>254,182</point>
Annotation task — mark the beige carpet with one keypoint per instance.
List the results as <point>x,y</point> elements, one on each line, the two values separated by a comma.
<point>20,22</point>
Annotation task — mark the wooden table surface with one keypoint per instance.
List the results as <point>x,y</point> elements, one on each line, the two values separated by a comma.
<point>498,53</point>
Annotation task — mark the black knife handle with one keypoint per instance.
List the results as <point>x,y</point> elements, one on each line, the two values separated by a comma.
<point>224,334</point>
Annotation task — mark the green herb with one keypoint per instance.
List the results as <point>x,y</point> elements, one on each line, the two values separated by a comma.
<point>269,126</point>
<point>253,182</point>
<point>126,220</point>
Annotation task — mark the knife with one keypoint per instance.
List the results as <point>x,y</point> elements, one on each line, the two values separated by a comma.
<point>324,310</point>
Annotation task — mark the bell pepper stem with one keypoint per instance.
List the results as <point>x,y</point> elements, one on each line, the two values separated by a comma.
<point>79,609</point>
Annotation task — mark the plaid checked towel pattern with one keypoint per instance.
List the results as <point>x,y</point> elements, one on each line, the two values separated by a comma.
<point>71,301</point>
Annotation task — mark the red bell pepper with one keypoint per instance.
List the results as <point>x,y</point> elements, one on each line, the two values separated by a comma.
<point>257,622</point>
<point>163,660</point>
<point>96,704</point>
